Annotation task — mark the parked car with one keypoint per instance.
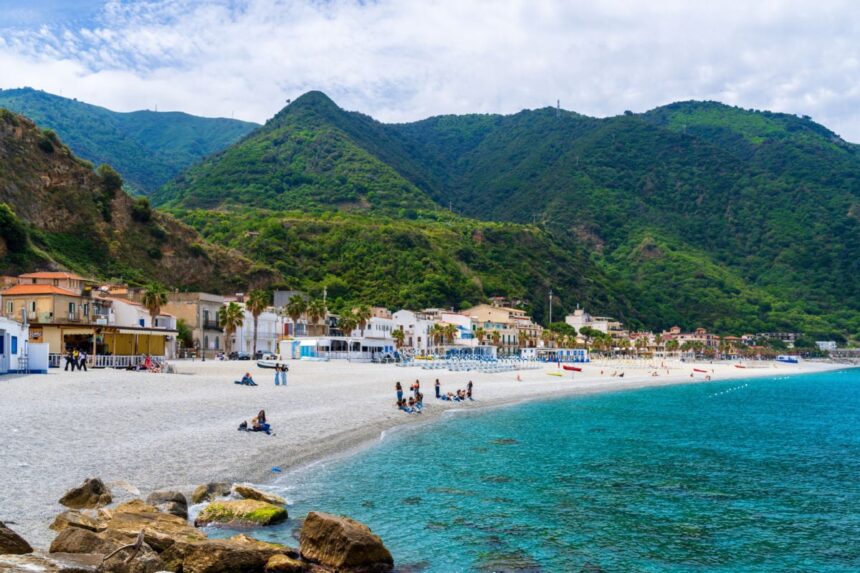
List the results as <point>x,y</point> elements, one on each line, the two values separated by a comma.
<point>239,356</point>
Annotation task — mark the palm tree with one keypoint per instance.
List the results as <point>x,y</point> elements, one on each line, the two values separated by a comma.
<point>362,316</point>
<point>154,297</point>
<point>437,331</point>
<point>671,345</point>
<point>295,308</point>
<point>523,338</point>
<point>257,302</point>
<point>230,317</point>
<point>399,336</point>
<point>449,331</point>
<point>347,323</point>
<point>480,333</point>
<point>495,337</point>
<point>317,310</point>
<point>547,336</point>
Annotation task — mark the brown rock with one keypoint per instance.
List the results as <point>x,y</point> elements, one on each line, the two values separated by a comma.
<point>210,491</point>
<point>11,543</point>
<point>241,512</point>
<point>92,493</point>
<point>240,554</point>
<point>76,540</point>
<point>249,492</point>
<point>344,544</point>
<point>161,529</point>
<point>73,518</point>
<point>172,502</point>
<point>57,563</point>
<point>283,564</point>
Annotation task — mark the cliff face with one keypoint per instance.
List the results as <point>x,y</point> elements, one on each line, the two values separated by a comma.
<point>60,213</point>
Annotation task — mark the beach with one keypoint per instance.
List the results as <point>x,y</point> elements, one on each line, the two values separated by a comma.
<point>143,431</point>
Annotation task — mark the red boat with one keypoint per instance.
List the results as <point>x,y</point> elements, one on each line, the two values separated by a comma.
<point>571,368</point>
<point>739,366</point>
<point>702,371</point>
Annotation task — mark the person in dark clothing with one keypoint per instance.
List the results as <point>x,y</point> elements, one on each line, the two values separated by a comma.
<point>82,361</point>
<point>469,390</point>
<point>438,388</point>
<point>69,361</point>
<point>399,389</point>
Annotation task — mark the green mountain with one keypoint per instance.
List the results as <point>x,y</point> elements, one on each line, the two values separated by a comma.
<point>56,212</point>
<point>694,213</point>
<point>147,148</point>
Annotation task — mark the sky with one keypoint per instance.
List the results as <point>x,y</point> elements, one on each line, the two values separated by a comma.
<point>407,60</point>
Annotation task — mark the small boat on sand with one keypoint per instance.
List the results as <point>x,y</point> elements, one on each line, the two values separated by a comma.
<point>739,366</point>
<point>571,368</point>
<point>699,370</point>
<point>271,363</point>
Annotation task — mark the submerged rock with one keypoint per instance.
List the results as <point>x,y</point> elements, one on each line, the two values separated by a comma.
<point>241,512</point>
<point>11,543</point>
<point>210,491</point>
<point>172,502</point>
<point>249,492</point>
<point>343,543</point>
<point>93,493</point>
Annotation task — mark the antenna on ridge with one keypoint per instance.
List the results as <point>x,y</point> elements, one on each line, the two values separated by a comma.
<point>558,108</point>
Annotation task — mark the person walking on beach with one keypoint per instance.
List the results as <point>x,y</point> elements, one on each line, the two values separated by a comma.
<point>69,359</point>
<point>277,374</point>
<point>469,390</point>
<point>75,357</point>
<point>438,388</point>
<point>82,360</point>
<point>399,389</point>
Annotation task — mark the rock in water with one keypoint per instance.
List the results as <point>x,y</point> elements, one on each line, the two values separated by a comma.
<point>241,512</point>
<point>11,543</point>
<point>283,564</point>
<point>171,502</point>
<point>91,494</point>
<point>210,491</point>
<point>249,492</point>
<point>343,543</point>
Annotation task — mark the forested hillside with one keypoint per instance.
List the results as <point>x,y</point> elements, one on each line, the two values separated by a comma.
<point>147,148</point>
<point>693,214</point>
<point>57,212</point>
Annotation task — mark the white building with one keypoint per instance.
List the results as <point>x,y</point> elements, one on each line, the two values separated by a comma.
<point>604,324</point>
<point>270,327</point>
<point>416,329</point>
<point>465,332</point>
<point>378,328</point>
<point>16,353</point>
<point>826,345</point>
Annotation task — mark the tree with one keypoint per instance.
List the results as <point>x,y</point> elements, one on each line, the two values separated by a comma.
<point>399,336</point>
<point>449,331</point>
<point>347,323</point>
<point>184,334</point>
<point>495,337</point>
<point>480,334</point>
<point>230,317</point>
<point>317,310</point>
<point>154,297</point>
<point>548,336</point>
<point>110,180</point>
<point>257,302</point>
<point>362,316</point>
<point>295,308</point>
<point>671,345</point>
<point>522,338</point>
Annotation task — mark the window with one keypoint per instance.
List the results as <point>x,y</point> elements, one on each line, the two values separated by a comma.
<point>32,306</point>
<point>206,342</point>
<point>10,307</point>
<point>217,343</point>
<point>14,345</point>
<point>71,308</point>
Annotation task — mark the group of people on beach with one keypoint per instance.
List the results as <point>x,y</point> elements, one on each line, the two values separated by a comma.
<point>415,403</point>
<point>258,424</point>
<point>77,359</point>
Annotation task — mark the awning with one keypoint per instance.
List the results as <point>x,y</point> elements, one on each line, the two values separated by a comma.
<point>87,331</point>
<point>308,343</point>
<point>144,331</point>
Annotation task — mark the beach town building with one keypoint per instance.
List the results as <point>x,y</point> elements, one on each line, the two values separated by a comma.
<point>199,311</point>
<point>61,279</point>
<point>607,325</point>
<point>17,356</point>
<point>270,329</point>
<point>787,338</point>
<point>416,327</point>
<point>700,335</point>
<point>826,345</point>
<point>511,324</point>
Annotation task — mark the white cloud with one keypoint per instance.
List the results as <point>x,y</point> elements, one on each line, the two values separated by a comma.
<point>402,61</point>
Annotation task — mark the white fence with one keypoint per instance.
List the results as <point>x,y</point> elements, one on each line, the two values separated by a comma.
<point>104,361</point>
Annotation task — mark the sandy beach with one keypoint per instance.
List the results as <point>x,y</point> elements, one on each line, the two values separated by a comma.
<point>178,430</point>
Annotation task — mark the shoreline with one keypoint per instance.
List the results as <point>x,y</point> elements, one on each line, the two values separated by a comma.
<point>143,432</point>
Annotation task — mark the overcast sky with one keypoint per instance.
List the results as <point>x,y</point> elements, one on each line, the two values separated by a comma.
<point>400,61</point>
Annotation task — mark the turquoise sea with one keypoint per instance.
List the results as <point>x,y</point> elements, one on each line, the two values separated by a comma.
<point>750,475</point>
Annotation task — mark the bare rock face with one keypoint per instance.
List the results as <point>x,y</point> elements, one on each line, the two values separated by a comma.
<point>343,544</point>
<point>93,493</point>
<point>241,512</point>
<point>249,492</point>
<point>161,529</point>
<point>210,491</point>
<point>239,554</point>
<point>76,540</point>
<point>73,518</point>
<point>58,563</point>
<point>11,543</point>
<point>172,502</point>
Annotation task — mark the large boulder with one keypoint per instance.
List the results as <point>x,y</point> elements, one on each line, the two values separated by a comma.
<point>239,554</point>
<point>74,518</point>
<point>91,494</point>
<point>161,529</point>
<point>76,540</point>
<point>241,512</point>
<point>57,563</point>
<point>282,564</point>
<point>11,543</point>
<point>210,491</point>
<point>248,492</point>
<point>172,502</point>
<point>343,544</point>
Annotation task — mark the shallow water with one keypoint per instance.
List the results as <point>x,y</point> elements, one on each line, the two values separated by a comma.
<point>750,475</point>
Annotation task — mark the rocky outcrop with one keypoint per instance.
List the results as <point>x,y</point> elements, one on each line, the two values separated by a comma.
<point>172,502</point>
<point>248,492</point>
<point>210,491</point>
<point>239,554</point>
<point>246,512</point>
<point>91,494</point>
<point>161,529</point>
<point>58,563</point>
<point>11,543</point>
<point>73,518</point>
<point>343,544</point>
<point>283,564</point>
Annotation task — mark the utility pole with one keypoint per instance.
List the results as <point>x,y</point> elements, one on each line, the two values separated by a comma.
<point>550,306</point>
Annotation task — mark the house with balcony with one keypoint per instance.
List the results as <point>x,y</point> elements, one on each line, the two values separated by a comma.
<point>61,279</point>
<point>508,322</point>
<point>416,329</point>
<point>270,329</point>
<point>199,310</point>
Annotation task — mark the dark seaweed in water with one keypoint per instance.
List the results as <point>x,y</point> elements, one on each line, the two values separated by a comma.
<point>495,479</point>
<point>414,500</point>
<point>504,442</point>
<point>516,561</point>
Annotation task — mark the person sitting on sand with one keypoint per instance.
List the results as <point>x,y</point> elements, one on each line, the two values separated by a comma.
<point>258,426</point>
<point>246,380</point>
<point>419,402</point>
<point>261,416</point>
<point>399,389</point>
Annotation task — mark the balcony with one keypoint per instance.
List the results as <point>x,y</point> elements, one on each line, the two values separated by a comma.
<point>211,325</point>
